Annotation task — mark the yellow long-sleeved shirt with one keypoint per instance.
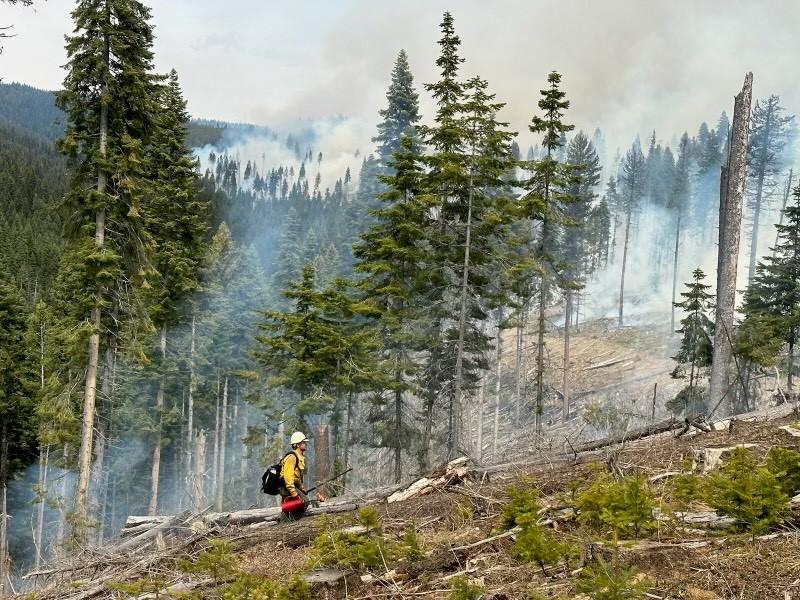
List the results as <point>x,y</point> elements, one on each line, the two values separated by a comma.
<point>292,468</point>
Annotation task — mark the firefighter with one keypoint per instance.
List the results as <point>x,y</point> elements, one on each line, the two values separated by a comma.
<point>293,466</point>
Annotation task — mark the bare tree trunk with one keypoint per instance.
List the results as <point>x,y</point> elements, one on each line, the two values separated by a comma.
<point>243,461</point>
<point>398,425</point>
<point>790,374</point>
<point>198,474</point>
<point>223,438</point>
<point>730,217</point>
<point>156,466</point>
<point>347,434</point>
<point>215,464</point>
<point>540,358</point>
<point>190,407</point>
<point>44,463</point>
<point>751,271</point>
<point>462,324</point>
<point>675,271</point>
<point>786,193</point>
<point>4,557</point>
<point>479,424</point>
<point>62,513</point>
<point>518,370</point>
<point>620,322</point>
<point>498,378</point>
<point>565,384</point>
<point>322,455</point>
<point>81,500</point>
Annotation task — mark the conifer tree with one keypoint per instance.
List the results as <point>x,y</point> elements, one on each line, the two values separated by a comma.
<point>108,100</point>
<point>544,201</point>
<point>695,351</point>
<point>770,133</point>
<point>176,220</point>
<point>678,202</point>
<point>633,182</point>
<point>772,300</point>
<point>391,254</point>
<point>401,113</point>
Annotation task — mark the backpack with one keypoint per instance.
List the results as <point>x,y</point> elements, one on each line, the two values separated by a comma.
<point>271,480</point>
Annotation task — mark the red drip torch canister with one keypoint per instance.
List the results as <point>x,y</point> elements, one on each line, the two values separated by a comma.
<point>293,504</point>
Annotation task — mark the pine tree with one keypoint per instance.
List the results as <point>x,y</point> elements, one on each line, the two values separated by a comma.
<point>391,254</point>
<point>695,350</point>
<point>770,132</point>
<point>108,99</point>
<point>176,219</point>
<point>772,300</point>
<point>545,201</point>
<point>401,113</point>
<point>633,182</point>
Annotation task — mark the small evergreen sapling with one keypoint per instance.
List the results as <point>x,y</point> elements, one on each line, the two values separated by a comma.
<point>785,465</point>
<point>464,589</point>
<point>622,507</point>
<point>611,581</point>
<point>751,494</point>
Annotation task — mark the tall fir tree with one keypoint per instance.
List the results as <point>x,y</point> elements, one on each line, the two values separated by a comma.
<point>108,100</point>
<point>401,113</point>
<point>633,180</point>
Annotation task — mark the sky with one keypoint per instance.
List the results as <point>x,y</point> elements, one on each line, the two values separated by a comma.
<point>628,66</point>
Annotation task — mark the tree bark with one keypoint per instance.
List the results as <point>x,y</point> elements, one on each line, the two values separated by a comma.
<point>223,438</point>
<point>518,369</point>
<point>347,436</point>
<point>62,513</point>
<point>790,369</point>
<point>732,183</point>
<point>156,466</point>
<point>786,193</point>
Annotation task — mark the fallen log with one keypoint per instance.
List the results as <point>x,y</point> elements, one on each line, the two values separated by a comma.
<point>454,472</point>
<point>142,538</point>
<point>632,435</point>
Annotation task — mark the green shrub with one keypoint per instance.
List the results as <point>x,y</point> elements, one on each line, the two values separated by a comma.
<point>253,587</point>
<point>686,488</point>
<point>751,494</point>
<point>521,501</point>
<point>217,561</point>
<point>622,507</point>
<point>464,590</point>
<point>785,465</point>
<point>154,584</point>
<point>611,581</point>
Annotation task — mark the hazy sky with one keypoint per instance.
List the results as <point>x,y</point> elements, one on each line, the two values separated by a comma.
<point>629,65</point>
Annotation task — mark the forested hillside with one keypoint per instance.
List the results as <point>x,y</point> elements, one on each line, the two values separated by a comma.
<point>177,296</point>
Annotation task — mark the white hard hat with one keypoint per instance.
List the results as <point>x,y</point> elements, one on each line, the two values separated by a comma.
<point>297,437</point>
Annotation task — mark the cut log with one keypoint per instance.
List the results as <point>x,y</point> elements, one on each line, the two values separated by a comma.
<point>711,458</point>
<point>328,577</point>
<point>143,538</point>
<point>454,472</point>
<point>790,430</point>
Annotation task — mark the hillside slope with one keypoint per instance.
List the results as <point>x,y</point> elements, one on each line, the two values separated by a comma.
<point>460,547</point>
